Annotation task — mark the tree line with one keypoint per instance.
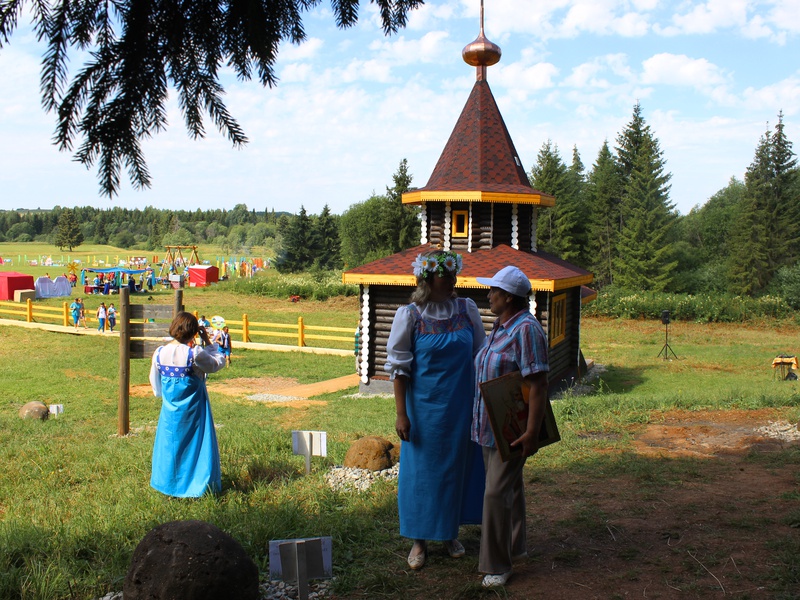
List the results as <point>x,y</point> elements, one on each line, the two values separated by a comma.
<point>616,220</point>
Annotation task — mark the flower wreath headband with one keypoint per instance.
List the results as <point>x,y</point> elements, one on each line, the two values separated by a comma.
<point>437,263</point>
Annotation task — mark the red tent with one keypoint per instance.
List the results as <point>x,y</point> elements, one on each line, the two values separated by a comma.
<point>203,275</point>
<point>11,282</point>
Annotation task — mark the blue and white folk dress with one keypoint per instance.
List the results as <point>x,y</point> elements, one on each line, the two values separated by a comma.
<point>441,478</point>
<point>185,453</point>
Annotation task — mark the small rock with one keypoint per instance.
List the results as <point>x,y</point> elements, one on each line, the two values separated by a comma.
<point>34,410</point>
<point>370,452</point>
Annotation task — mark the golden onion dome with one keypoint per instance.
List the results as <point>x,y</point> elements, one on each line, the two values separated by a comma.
<point>481,52</point>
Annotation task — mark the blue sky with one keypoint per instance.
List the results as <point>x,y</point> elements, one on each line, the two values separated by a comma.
<point>350,105</point>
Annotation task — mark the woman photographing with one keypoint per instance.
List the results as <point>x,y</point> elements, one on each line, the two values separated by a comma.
<point>185,452</point>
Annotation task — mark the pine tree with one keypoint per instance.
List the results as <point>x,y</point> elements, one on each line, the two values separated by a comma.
<point>642,258</point>
<point>549,175</point>
<point>325,241</point>
<point>297,252</point>
<point>400,223</point>
<point>68,233</point>
<point>576,196</point>
<point>630,141</point>
<point>784,201</point>
<point>603,191</point>
<point>100,233</point>
<point>751,261</point>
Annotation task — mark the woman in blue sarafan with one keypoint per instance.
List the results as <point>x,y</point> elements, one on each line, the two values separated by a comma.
<point>185,453</point>
<point>430,351</point>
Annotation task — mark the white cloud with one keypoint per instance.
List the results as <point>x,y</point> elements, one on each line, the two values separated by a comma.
<point>774,20</point>
<point>679,69</point>
<point>430,15</point>
<point>757,28</point>
<point>295,73</point>
<point>432,47</point>
<point>588,74</point>
<point>308,50</point>
<point>782,95</point>
<point>521,77</point>
<point>785,14</point>
<point>710,16</point>
<point>602,17</point>
<point>367,70</point>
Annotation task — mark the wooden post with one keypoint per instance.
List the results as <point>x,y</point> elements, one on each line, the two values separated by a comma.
<point>245,328</point>
<point>29,310</point>
<point>66,314</point>
<point>178,307</point>
<point>301,337</point>
<point>123,412</point>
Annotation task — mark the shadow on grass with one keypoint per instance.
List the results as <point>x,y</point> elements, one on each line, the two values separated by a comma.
<point>620,380</point>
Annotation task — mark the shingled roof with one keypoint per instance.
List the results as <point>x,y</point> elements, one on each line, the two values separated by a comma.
<point>546,272</point>
<point>479,158</point>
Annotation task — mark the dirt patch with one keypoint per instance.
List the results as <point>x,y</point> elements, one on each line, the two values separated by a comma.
<point>702,509</point>
<point>245,386</point>
<point>707,433</point>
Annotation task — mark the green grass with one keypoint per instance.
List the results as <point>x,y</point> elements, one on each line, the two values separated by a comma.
<point>75,499</point>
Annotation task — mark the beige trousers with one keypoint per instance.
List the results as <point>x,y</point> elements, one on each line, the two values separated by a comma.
<point>503,529</point>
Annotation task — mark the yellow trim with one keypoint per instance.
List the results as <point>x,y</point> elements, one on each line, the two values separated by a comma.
<point>378,279</point>
<point>570,282</point>
<point>478,196</point>
<point>454,218</point>
<point>557,323</point>
<point>538,285</point>
<point>589,298</point>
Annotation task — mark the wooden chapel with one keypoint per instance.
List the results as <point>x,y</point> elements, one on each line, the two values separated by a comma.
<point>478,202</point>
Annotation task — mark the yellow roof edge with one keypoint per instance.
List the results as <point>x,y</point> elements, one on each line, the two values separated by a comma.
<point>539,285</point>
<point>569,282</point>
<point>377,278</point>
<point>477,196</point>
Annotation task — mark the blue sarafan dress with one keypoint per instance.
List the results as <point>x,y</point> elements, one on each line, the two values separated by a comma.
<point>185,453</point>
<point>441,478</point>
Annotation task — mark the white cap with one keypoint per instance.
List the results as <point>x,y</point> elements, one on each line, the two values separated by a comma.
<point>509,279</point>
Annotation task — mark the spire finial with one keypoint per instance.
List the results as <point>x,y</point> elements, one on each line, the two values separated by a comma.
<point>481,53</point>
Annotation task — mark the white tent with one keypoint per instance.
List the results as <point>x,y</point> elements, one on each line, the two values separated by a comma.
<point>48,288</point>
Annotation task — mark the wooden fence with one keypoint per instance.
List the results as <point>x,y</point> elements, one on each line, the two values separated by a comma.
<point>245,329</point>
<point>31,314</point>
<point>299,332</point>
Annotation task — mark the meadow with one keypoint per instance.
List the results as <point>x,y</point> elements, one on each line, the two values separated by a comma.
<point>75,500</point>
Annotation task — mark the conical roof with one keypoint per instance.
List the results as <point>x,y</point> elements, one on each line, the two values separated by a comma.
<point>480,159</point>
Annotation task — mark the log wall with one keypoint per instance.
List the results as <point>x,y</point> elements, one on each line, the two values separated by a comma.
<point>481,226</point>
<point>524,218</point>
<point>435,212</point>
<point>501,225</point>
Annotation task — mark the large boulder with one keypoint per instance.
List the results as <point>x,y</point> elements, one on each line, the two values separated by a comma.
<point>34,410</point>
<point>371,452</point>
<point>190,560</point>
